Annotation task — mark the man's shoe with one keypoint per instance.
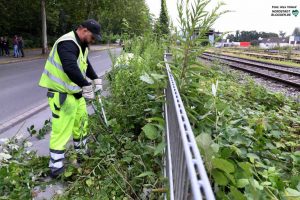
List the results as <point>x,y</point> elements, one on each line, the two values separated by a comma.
<point>55,173</point>
<point>80,157</point>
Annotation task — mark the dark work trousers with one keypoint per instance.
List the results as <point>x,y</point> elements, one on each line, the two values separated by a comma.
<point>6,50</point>
<point>21,51</point>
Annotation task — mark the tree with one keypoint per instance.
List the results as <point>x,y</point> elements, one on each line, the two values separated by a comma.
<point>296,31</point>
<point>231,37</point>
<point>164,19</point>
<point>193,18</point>
<point>156,28</point>
<point>267,35</point>
<point>135,12</point>
<point>237,36</point>
<point>125,27</point>
<point>249,36</point>
<point>44,28</point>
<point>282,34</point>
<point>66,15</point>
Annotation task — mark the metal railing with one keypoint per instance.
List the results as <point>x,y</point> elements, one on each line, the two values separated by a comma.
<point>183,163</point>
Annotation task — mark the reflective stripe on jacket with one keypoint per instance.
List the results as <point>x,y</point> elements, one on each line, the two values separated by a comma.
<point>54,76</point>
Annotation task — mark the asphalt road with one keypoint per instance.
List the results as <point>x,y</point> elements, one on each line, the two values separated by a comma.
<point>19,90</point>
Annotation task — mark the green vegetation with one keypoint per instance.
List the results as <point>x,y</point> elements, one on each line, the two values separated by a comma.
<point>249,36</point>
<point>162,25</point>
<point>126,161</point>
<point>296,31</point>
<point>40,134</point>
<point>20,169</point>
<point>127,156</point>
<point>63,16</point>
<point>248,137</point>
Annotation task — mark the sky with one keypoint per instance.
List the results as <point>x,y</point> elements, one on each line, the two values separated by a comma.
<point>246,15</point>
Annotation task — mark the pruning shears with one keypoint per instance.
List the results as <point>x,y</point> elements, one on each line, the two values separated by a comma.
<point>102,114</point>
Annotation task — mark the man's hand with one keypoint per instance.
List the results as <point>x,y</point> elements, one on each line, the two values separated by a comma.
<point>98,84</point>
<point>87,92</point>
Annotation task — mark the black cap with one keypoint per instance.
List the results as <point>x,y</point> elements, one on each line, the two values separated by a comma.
<point>93,26</point>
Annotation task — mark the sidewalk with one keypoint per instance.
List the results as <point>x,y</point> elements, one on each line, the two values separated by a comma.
<point>30,54</point>
<point>36,53</point>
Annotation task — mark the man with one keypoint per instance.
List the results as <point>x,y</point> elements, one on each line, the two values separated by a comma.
<point>1,46</point>
<point>15,43</point>
<point>6,46</point>
<point>21,46</point>
<point>64,76</point>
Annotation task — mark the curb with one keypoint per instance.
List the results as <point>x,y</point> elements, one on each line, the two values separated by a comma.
<point>106,48</point>
<point>22,60</point>
<point>8,124</point>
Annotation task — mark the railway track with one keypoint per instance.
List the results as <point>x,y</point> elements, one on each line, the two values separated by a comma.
<point>271,56</point>
<point>283,74</point>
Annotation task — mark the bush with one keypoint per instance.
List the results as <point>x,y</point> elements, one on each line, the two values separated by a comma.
<point>127,158</point>
<point>109,38</point>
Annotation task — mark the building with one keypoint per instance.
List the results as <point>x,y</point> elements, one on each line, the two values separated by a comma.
<point>268,43</point>
<point>294,40</point>
<point>227,43</point>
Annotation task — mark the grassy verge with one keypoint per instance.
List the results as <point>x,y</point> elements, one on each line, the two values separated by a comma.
<point>249,137</point>
<point>241,55</point>
<point>20,169</point>
<point>126,160</point>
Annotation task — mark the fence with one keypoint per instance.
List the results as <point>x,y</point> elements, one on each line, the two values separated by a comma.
<point>183,164</point>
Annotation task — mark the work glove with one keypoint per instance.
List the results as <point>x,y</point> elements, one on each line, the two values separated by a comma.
<point>98,84</point>
<point>87,92</point>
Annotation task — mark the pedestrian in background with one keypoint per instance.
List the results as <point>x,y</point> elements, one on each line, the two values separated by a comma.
<point>1,46</point>
<point>20,46</point>
<point>15,43</point>
<point>6,46</point>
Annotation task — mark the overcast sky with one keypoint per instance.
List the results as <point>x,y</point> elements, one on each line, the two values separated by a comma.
<point>247,15</point>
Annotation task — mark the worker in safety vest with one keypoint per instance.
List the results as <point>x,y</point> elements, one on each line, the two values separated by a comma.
<point>65,73</point>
